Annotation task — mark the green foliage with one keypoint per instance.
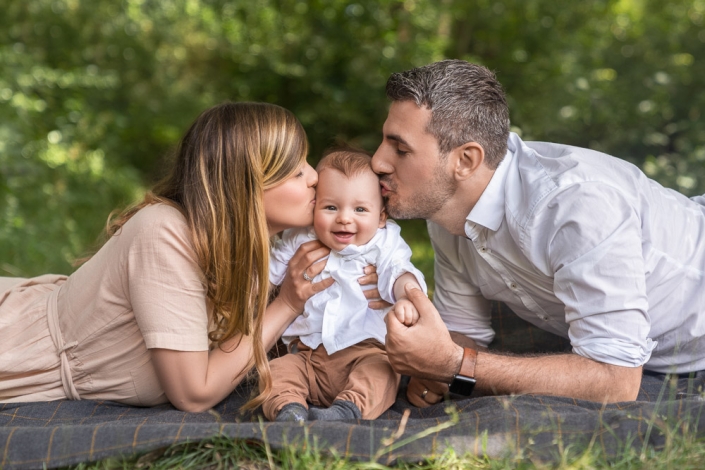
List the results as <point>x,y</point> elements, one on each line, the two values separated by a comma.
<point>94,94</point>
<point>624,77</point>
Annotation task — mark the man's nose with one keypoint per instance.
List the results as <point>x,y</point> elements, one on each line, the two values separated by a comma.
<point>379,165</point>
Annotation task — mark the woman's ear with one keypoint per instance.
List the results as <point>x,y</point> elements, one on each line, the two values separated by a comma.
<point>382,217</point>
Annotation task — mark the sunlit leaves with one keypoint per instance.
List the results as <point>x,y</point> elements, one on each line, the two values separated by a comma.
<point>94,94</point>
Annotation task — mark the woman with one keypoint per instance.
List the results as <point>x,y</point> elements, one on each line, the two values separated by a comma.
<point>173,307</point>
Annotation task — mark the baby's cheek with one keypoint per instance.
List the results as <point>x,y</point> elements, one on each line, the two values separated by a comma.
<point>319,223</point>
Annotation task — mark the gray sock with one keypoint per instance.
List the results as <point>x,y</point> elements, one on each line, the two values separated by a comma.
<point>340,409</point>
<point>292,412</point>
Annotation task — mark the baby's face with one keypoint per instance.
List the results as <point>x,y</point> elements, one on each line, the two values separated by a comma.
<point>348,210</point>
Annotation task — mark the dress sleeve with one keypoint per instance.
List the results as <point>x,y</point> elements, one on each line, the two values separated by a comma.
<point>166,286</point>
<point>590,238</point>
<point>459,302</point>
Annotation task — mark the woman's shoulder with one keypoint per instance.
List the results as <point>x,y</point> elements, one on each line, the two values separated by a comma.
<point>158,215</point>
<point>157,221</point>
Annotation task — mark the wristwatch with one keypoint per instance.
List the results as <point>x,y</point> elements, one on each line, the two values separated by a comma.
<point>464,381</point>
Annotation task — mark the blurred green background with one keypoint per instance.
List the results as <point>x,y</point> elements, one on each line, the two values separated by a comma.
<point>94,94</point>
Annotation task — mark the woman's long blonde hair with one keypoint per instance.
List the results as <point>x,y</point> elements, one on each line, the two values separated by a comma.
<point>225,161</point>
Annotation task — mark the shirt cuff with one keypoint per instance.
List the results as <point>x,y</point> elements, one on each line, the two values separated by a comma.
<point>616,352</point>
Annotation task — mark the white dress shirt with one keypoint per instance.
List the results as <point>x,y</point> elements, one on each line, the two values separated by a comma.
<point>339,316</point>
<point>583,245</point>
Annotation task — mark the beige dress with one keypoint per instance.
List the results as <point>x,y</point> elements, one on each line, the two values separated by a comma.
<point>87,336</point>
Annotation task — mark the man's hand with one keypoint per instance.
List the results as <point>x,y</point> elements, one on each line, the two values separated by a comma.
<point>425,349</point>
<point>423,393</point>
<point>406,312</point>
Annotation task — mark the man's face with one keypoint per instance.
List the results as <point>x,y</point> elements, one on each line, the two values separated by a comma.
<point>348,210</point>
<point>413,175</point>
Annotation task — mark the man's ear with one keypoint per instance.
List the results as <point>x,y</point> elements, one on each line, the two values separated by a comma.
<point>382,217</point>
<point>469,157</point>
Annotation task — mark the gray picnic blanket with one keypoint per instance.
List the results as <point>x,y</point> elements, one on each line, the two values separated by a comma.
<point>52,434</point>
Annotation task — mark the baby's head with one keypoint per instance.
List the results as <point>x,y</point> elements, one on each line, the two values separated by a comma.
<point>349,207</point>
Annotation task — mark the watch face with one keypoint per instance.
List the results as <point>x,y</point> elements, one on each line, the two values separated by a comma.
<point>462,385</point>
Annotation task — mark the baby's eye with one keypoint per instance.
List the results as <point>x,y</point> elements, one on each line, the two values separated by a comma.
<point>360,209</point>
<point>329,208</point>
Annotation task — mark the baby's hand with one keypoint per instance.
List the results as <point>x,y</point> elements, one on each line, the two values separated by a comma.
<point>406,312</point>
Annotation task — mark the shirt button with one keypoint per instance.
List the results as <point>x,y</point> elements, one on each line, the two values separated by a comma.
<point>483,249</point>
<point>512,286</point>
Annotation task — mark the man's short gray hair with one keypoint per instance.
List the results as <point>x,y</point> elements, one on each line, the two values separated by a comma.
<point>467,104</point>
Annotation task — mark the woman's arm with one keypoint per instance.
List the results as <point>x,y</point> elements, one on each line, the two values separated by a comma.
<point>196,381</point>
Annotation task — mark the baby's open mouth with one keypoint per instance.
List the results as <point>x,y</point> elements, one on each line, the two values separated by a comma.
<point>343,236</point>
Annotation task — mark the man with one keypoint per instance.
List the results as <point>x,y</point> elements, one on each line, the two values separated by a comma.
<point>574,241</point>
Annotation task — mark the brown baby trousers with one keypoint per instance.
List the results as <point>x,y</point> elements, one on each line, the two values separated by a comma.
<point>360,373</point>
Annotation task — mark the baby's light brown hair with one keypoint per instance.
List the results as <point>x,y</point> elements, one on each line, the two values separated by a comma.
<point>349,161</point>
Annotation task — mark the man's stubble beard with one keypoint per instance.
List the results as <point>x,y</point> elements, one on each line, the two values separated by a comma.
<point>423,204</point>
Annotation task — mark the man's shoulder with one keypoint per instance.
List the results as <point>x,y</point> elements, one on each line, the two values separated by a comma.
<point>543,171</point>
<point>564,165</point>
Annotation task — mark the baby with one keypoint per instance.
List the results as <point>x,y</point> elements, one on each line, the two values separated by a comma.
<point>339,364</point>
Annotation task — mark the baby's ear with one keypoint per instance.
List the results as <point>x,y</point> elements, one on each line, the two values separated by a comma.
<point>383,218</point>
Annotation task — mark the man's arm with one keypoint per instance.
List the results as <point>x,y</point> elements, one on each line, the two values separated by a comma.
<point>622,375</point>
<point>411,353</point>
<point>567,375</point>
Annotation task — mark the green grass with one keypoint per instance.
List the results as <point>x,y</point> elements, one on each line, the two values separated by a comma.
<point>682,452</point>
<point>682,449</point>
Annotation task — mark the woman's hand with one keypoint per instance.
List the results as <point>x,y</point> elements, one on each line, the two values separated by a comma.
<point>295,289</point>
<point>372,295</point>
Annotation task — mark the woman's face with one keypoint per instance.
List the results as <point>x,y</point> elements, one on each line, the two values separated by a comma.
<point>291,202</point>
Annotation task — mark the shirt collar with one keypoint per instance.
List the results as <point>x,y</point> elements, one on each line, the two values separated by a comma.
<point>489,209</point>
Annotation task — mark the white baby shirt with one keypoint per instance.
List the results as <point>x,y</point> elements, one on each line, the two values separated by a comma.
<point>339,317</point>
